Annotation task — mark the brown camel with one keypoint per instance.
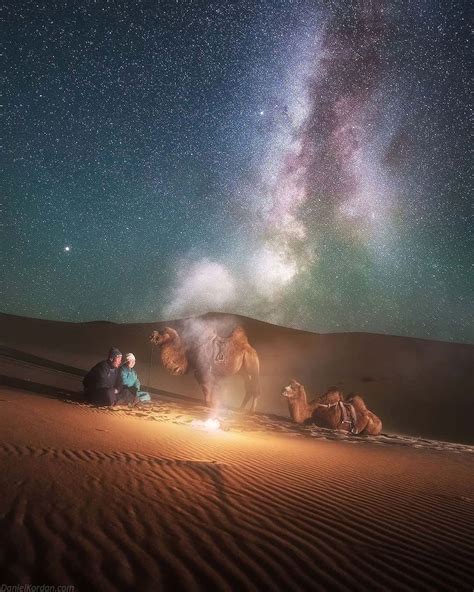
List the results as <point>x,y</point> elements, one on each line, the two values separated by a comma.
<point>331,410</point>
<point>212,358</point>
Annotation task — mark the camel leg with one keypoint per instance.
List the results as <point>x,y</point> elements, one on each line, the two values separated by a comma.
<point>251,367</point>
<point>247,394</point>
<point>374,424</point>
<point>206,386</point>
<point>252,390</point>
<point>362,423</point>
<point>207,390</point>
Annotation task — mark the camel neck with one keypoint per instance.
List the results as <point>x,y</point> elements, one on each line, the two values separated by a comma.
<point>300,408</point>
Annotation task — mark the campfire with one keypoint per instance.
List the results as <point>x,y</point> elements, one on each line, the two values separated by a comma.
<point>211,425</point>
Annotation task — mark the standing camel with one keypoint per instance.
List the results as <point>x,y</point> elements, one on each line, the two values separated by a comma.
<point>211,358</point>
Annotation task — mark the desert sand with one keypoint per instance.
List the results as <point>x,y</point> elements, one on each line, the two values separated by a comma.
<point>418,387</point>
<point>149,499</point>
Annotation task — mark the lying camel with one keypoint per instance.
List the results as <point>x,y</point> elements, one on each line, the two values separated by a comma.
<point>332,411</point>
<point>212,358</point>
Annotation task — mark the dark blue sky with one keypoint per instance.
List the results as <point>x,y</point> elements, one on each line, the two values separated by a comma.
<point>304,163</point>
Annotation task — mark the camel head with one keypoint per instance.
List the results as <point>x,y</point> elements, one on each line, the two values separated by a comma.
<point>293,391</point>
<point>173,353</point>
<point>300,409</point>
<point>161,337</point>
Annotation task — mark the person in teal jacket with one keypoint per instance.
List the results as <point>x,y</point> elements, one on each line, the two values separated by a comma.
<point>129,380</point>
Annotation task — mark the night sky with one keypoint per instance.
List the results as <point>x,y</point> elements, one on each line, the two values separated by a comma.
<point>303,163</point>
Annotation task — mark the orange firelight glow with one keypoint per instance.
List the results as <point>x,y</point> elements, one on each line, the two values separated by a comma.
<point>209,424</point>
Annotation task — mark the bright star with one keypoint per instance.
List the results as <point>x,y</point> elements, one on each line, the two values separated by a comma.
<point>67,249</point>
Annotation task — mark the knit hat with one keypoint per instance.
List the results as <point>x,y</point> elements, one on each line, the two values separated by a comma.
<point>114,353</point>
<point>129,357</point>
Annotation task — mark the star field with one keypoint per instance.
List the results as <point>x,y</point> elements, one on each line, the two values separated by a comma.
<point>304,163</point>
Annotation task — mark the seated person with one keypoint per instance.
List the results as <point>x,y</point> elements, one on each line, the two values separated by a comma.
<point>129,380</point>
<point>102,383</point>
<point>131,392</point>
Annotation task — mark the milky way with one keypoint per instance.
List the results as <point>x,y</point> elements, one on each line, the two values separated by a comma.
<point>304,163</point>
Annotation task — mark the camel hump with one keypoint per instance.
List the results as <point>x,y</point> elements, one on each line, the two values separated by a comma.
<point>332,395</point>
<point>357,402</point>
<point>238,335</point>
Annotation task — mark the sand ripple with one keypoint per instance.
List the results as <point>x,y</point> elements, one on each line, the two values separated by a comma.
<point>290,513</point>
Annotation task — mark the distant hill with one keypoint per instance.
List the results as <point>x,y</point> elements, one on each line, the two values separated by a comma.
<point>417,386</point>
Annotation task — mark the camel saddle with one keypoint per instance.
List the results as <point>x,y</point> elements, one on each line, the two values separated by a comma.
<point>219,347</point>
<point>349,416</point>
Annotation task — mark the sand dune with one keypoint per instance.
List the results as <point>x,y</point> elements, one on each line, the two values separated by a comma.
<point>150,499</point>
<point>140,499</point>
<point>418,387</point>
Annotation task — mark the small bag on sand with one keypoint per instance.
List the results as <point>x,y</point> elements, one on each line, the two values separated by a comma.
<point>142,397</point>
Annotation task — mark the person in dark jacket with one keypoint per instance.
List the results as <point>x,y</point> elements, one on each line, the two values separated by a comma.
<point>102,383</point>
